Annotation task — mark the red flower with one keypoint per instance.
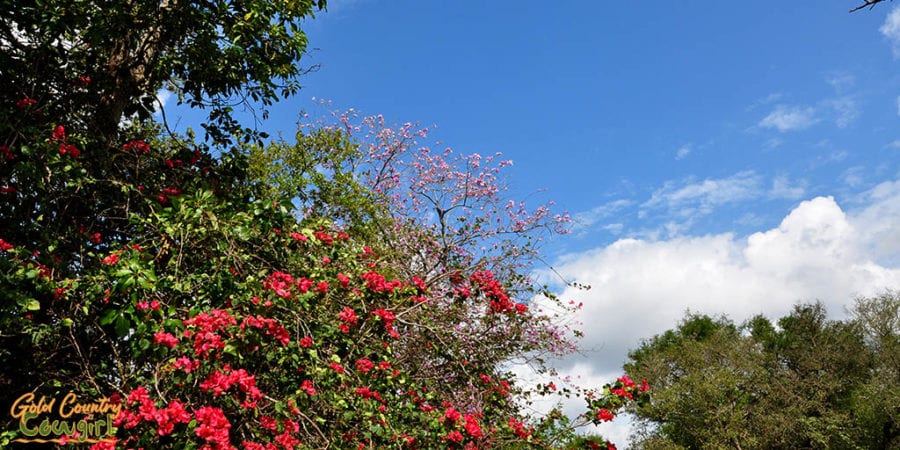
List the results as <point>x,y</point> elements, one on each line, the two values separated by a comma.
<point>306,342</point>
<point>111,260</point>
<point>324,237</point>
<point>471,426</point>
<point>213,426</point>
<point>626,381</point>
<point>336,367</point>
<point>25,103</point>
<point>70,149</point>
<point>166,339</point>
<point>364,365</point>
<point>59,133</point>
<point>139,147</point>
<point>268,423</point>
<point>452,414</point>
<point>5,246</point>
<point>454,436</point>
<point>186,364</point>
<point>308,387</point>
<point>348,316</point>
<point>167,418</point>
<point>605,415</point>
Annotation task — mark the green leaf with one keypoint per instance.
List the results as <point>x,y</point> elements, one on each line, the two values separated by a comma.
<point>122,326</point>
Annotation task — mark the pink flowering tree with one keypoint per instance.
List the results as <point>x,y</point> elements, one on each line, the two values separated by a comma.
<point>444,218</point>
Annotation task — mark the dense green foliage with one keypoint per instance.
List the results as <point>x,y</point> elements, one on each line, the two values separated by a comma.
<point>808,382</point>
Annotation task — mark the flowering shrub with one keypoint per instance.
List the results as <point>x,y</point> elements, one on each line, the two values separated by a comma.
<point>174,279</point>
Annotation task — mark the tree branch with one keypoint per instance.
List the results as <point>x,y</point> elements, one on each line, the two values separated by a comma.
<point>868,3</point>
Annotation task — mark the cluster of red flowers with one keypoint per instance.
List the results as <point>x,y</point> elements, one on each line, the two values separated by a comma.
<point>220,381</point>
<point>144,305</point>
<point>166,193</point>
<point>388,318</point>
<point>213,427</point>
<point>111,259</point>
<point>626,388</point>
<point>206,336</point>
<point>5,246</point>
<point>347,316</point>
<point>364,365</point>
<point>59,136</point>
<point>376,282</point>
<point>165,339</point>
<point>518,428</point>
<point>605,415</point>
<point>271,327</point>
<point>367,393</point>
<point>281,284</point>
<point>165,418</point>
<point>25,103</point>
<point>139,147</point>
<point>498,299</point>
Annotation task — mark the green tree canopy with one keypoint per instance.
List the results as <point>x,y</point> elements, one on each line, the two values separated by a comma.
<point>807,382</point>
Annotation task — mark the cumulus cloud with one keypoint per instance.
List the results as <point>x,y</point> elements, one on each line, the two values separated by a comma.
<point>640,287</point>
<point>789,118</point>
<point>891,30</point>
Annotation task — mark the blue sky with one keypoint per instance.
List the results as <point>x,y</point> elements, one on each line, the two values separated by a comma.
<point>722,157</point>
<point>605,103</point>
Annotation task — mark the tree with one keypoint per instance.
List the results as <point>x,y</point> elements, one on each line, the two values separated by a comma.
<point>707,382</point>
<point>94,65</point>
<point>807,383</point>
<point>876,403</point>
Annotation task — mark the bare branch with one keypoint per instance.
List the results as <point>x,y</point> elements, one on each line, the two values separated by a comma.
<point>868,3</point>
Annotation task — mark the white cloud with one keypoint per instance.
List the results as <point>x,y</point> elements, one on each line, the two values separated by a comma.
<point>700,197</point>
<point>683,152</point>
<point>880,222</point>
<point>789,118</point>
<point>587,219</point>
<point>846,110</point>
<point>769,99</point>
<point>840,81</point>
<point>643,287</point>
<point>891,30</point>
<point>854,176</point>
<point>162,98</point>
<point>783,188</point>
